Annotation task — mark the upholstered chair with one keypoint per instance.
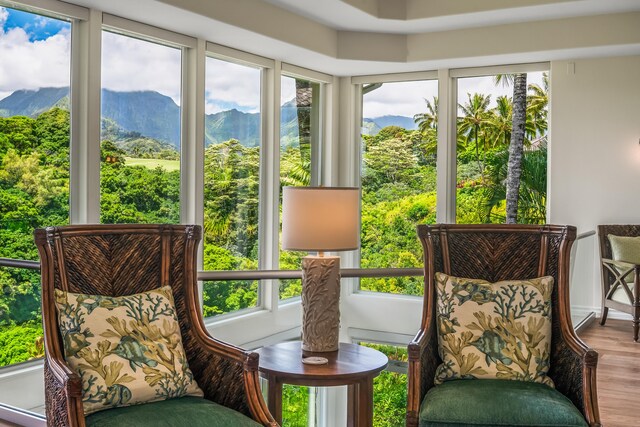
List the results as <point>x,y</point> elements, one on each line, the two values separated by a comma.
<point>120,260</point>
<point>495,253</point>
<point>620,266</point>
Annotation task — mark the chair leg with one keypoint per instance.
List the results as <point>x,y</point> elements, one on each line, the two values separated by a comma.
<point>603,315</point>
<point>636,329</point>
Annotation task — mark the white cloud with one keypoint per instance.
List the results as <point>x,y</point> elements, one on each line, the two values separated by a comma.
<point>4,14</point>
<point>407,98</point>
<point>399,99</point>
<point>31,65</point>
<point>129,64</point>
<point>231,85</point>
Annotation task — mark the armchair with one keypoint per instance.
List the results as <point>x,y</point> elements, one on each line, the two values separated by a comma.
<point>495,253</point>
<point>117,260</point>
<point>620,279</point>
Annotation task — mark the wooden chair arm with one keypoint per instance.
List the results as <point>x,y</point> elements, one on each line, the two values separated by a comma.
<point>63,394</point>
<point>229,375</point>
<point>423,361</point>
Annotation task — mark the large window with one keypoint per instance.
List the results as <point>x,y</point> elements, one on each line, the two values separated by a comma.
<point>34,164</point>
<point>487,167</point>
<point>299,138</point>
<point>399,141</point>
<point>140,133</point>
<point>231,182</point>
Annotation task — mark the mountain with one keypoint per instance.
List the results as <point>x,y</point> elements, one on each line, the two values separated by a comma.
<point>224,125</point>
<point>32,103</point>
<point>373,126</point>
<point>132,115</point>
<point>147,112</point>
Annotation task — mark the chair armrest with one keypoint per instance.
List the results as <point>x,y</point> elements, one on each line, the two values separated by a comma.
<point>423,361</point>
<point>573,370</point>
<point>227,374</point>
<point>63,394</point>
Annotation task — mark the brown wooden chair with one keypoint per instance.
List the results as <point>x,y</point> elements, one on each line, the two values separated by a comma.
<point>620,280</point>
<point>121,260</point>
<point>494,253</point>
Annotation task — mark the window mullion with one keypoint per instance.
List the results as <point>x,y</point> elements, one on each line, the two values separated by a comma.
<point>85,119</point>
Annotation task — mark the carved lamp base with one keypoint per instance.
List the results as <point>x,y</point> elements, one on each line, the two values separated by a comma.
<point>320,303</point>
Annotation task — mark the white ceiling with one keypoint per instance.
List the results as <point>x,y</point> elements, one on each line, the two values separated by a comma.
<point>451,14</point>
<point>386,36</point>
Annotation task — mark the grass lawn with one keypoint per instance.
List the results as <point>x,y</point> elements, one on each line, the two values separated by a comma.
<point>168,165</point>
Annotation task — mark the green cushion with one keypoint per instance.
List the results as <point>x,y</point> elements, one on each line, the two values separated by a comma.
<point>497,403</point>
<point>185,411</point>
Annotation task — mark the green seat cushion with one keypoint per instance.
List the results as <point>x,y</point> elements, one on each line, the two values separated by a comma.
<point>184,411</point>
<point>497,403</point>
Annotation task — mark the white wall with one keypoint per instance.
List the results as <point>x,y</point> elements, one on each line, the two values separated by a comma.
<point>594,156</point>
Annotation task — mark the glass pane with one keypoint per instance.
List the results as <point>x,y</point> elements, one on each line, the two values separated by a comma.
<point>484,131</point>
<point>295,406</point>
<point>390,387</point>
<point>399,141</point>
<point>231,182</point>
<point>140,132</point>
<point>299,135</point>
<point>34,164</point>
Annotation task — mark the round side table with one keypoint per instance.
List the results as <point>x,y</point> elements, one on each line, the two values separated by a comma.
<point>352,365</point>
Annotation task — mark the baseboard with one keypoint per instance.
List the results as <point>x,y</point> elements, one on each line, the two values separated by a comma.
<point>583,312</point>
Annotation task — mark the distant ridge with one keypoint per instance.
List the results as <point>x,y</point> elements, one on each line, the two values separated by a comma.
<point>153,115</point>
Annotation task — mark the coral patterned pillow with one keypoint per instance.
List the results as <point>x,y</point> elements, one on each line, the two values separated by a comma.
<point>127,350</point>
<point>496,330</point>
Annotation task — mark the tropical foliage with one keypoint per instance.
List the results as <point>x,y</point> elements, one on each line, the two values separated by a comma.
<point>398,188</point>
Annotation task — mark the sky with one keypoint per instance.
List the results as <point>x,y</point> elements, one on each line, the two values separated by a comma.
<point>39,49</point>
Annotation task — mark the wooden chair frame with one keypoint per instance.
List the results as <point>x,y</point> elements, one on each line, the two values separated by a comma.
<point>72,258</point>
<point>501,252</point>
<point>615,273</point>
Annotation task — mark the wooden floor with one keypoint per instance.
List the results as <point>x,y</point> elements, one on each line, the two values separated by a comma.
<point>618,371</point>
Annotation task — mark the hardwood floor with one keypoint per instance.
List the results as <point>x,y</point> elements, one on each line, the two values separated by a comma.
<point>618,371</point>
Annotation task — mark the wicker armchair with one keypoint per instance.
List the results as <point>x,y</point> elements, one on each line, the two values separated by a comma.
<point>121,260</point>
<point>620,280</point>
<point>494,253</point>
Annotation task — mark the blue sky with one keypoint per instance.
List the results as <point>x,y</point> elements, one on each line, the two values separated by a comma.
<point>36,26</point>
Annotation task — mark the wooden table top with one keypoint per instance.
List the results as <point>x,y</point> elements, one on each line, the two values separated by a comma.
<point>351,361</point>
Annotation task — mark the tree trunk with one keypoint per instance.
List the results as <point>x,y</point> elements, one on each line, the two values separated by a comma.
<point>514,170</point>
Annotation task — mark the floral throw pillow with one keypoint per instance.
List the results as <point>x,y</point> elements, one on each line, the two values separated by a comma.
<point>496,330</point>
<point>127,350</point>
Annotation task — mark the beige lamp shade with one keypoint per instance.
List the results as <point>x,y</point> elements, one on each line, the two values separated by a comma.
<point>320,218</point>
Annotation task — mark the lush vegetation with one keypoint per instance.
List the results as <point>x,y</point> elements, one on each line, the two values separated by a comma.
<point>140,182</point>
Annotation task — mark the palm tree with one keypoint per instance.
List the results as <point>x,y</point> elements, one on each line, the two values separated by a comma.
<point>499,123</point>
<point>428,120</point>
<point>475,117</point>
<point>428,128</point>
<point>537,103</point>
<point>516,146</point>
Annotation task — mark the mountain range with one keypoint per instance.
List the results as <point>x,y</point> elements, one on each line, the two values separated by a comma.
<point>157,116</point>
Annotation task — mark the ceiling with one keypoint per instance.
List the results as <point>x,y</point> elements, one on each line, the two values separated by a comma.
<point>424,16</point>
<point>352,37</point>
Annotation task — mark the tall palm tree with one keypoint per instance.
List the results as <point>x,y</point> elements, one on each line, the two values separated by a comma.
<point>516,145</point>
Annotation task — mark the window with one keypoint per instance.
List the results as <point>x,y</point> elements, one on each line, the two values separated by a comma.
<point>484,130</point>
<point>299,138</point>
<point>399,141</point>
<point>140,131</point>
<point>231,180</point>
<point>34,164</point>
<point>390,387</point>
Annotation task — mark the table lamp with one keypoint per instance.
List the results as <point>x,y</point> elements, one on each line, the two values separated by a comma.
<point>320,219</point>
